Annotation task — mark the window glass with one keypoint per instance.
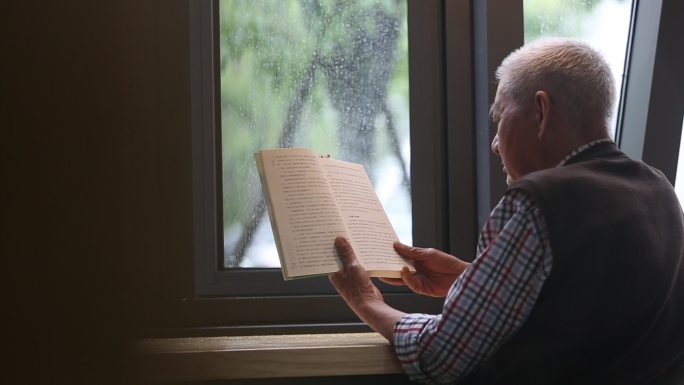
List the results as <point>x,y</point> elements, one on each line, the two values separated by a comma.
<point>328,75</point>
<point>679,179</point>
<point>604,24</point>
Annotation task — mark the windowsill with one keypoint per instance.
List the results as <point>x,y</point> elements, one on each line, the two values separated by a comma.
<point>304,355</point>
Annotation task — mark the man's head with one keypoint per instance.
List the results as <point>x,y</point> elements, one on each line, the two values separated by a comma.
<point>553,96</point>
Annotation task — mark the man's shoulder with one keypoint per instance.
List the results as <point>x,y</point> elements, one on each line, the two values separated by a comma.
<point>541,181</point>
<point>596,180</point>
<point>596,171</point>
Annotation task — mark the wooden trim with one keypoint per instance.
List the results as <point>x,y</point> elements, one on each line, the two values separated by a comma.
<point>304,355</point>
<point>459,84</point>
<point>429,194</point>
<point>498,29</point>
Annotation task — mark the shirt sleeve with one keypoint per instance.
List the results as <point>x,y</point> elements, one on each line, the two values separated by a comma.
<point>489,301</point>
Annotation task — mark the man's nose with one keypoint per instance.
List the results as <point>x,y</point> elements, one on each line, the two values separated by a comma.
<point>495,144</point>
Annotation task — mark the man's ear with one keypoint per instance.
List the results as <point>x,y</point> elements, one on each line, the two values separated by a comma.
<point>542,107</point>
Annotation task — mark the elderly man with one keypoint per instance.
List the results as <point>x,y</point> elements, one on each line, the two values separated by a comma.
<point>578,276</point>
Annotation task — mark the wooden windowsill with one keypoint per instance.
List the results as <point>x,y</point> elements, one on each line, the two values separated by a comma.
<point>304,355</point>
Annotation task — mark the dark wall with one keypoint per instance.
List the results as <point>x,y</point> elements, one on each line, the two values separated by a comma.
<point>63,151</point>
<point>87,113</point>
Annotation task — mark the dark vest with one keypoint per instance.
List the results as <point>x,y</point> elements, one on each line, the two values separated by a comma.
<point>612,310</point>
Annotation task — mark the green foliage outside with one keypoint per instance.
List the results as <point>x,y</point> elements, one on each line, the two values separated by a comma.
<point>309,73</point>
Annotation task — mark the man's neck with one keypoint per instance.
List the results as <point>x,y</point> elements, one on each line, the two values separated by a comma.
<point>566,145</point>
<point>583,148</point>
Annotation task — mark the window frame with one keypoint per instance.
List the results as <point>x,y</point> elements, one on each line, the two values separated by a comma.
<point>652,106</point>
<point>261,294</point>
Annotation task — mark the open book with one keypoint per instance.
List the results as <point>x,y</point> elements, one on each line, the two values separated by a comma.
<point>311,200</point>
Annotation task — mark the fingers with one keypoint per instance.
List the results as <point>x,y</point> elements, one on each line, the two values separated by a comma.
<point>392,281</point>
<point>345,251</point>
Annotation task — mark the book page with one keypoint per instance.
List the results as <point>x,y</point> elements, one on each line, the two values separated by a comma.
<point>371,232</point>
<point>305,219</point>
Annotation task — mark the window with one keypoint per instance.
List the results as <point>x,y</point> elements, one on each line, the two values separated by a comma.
<point>256,290</point>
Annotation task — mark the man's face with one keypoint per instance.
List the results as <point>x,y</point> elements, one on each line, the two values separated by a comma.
<point>516,139</point>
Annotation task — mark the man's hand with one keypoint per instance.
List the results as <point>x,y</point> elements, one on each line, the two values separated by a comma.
<point>363,297</point>
<point>436,271</point>
<point>353,281</point>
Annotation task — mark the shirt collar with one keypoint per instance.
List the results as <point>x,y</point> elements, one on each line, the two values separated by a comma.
<point>582,148</point>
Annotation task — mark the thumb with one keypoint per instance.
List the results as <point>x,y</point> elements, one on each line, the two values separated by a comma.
<point>412,253</point>
<point>345,251</point>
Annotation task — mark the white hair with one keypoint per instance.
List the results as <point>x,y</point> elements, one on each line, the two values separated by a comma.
<point>576,77</point>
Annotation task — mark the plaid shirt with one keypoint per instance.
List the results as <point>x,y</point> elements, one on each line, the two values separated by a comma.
<point>487,303</point>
